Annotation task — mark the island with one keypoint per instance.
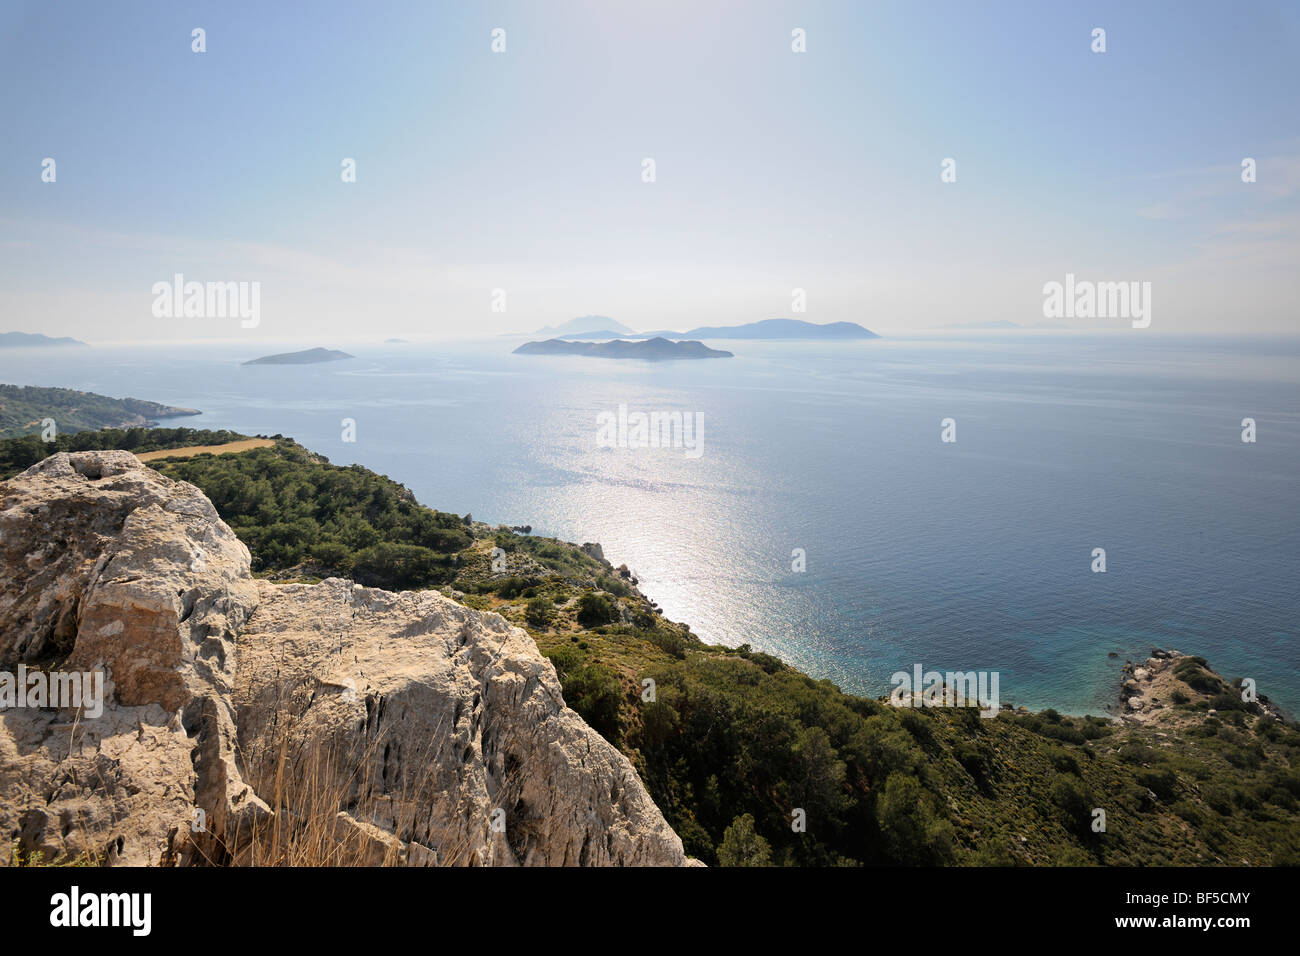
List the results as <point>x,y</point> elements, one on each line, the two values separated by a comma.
<point>650,350</point>
<point>586,324</point>
<point>305,357</point>
<point>786,329</point>
<point>25,409</point>
<point>31,340</point>
<point>611,334</point>
<point>783,329</point>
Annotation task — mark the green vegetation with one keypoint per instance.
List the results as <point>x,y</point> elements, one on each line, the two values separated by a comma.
<point>24,407</point>
<point>754,763</point>
<point>303,517</point>
<point>18,454</point>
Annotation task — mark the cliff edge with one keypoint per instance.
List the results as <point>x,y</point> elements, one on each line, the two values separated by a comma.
<point>249,722</point>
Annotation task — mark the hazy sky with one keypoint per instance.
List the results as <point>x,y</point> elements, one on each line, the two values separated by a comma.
<point>522,170</point>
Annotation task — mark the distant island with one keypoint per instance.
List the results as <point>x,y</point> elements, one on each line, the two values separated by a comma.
<point>1001,324</point>
<point>651,350</point>
<point>585,324</point>
<point>24,408</point>
<point>610,334</point>
<point>783,329</point>
<point>396,342</point>
<point>766,329</point>
<point>305,357</point>
<point>34,340</point>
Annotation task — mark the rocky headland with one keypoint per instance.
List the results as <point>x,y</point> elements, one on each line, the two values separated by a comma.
<point>234,704</point>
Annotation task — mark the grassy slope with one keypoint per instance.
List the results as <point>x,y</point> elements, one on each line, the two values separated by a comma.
<point>734,735</point>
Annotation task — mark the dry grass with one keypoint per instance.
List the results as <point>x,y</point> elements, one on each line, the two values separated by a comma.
<point>229,448</point>
<point>310,783</point>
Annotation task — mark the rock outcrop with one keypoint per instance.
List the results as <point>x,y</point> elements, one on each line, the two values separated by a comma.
<point>251,722</point>
<point>1150,691</point>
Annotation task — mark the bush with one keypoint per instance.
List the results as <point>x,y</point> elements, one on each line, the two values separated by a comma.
<point>396,567</point>
<point>912,834</point>
<point>1163,783</point>
<point>1063,761</point>
<point>595,609</point>
<point>595,693</point>
<point>539,613</point>
<point>1067,795</point>
<point>973,761</point>
<point>1063,732</point>
<point>1135,753</point>
<point>1191,672</point>
<point>743,846</point>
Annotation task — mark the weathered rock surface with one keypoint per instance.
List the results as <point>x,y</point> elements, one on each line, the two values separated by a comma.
<point>398,728</point>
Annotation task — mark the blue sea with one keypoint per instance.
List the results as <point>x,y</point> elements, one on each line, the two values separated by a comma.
<point>968,555</point>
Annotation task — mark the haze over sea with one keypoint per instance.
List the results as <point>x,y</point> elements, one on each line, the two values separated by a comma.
<point>967,556</point>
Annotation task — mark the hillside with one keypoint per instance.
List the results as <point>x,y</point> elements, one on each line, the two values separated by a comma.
<point>24,407</point>
<point>255,723</point>
<point>734,740</point>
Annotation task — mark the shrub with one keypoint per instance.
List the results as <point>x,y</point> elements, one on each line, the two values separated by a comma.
<point>1067,795</point>
<point>396,567</point>
<point>973,761</point>
<point>743,846</point>
<point>911,832</point>
<point>1162,783</point>
<point>595,609</point>
<point>1063,761</point>
<point>595,693</point>
<point>1136,753</point>
<point>539,613</point>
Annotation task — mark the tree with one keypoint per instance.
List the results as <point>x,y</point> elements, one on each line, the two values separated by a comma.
<point>912,833</point>
<point>743,845</point>
<point>538,612</point>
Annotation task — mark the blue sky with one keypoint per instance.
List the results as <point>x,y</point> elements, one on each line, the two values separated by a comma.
<point>522,170</point>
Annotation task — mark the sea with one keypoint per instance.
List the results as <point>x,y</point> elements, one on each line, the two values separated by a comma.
<point>818,513</point>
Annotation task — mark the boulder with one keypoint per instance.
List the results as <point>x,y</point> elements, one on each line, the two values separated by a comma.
<point>371,727</point>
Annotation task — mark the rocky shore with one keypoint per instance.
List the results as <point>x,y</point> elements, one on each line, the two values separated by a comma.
<point>1151,691</point>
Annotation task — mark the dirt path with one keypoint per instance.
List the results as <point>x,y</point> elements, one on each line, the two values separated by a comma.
<point>226,449</point>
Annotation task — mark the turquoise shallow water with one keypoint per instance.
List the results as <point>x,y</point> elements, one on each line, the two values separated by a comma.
<point>973,555</point>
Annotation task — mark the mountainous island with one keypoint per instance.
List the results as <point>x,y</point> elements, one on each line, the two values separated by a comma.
<point>783,329</point>
<point>766,329</point>
<point>650,350</point>
<point>611,334</point>
<point>23,409</point>
<point>585,325</point>
<point>34,340</point>
<point>305,357</point>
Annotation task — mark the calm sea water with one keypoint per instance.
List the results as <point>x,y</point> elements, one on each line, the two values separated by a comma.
<point>969,555</point>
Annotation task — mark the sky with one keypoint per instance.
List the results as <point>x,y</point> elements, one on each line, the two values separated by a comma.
<point>523,170</point>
